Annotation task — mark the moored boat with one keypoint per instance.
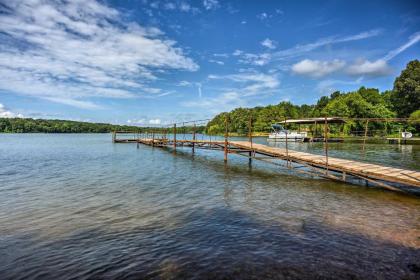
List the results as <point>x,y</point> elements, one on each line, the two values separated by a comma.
<point>281,134</point>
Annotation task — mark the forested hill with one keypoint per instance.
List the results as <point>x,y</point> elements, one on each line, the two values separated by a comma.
<point>20,125</point>
<point>402,101</point>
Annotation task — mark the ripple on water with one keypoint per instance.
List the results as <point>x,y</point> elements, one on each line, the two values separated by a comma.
<point>74,207</point>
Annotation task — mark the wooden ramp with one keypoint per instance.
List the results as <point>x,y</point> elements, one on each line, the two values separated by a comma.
<point>319,165</point>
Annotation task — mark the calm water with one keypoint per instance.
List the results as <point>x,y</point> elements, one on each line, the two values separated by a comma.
<point>80,207</point>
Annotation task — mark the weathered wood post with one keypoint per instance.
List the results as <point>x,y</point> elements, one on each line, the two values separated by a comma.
<point>114,136</point>
<point>153,137</point>
<point>226,140</point>
<point>174,136</point>
<point>287,143</point>
<point>399,136</point>
<point>250,137</point>
<point>193,142</point>
<point>366,130</point>
<point>326,144</point>
<point>316,131</point>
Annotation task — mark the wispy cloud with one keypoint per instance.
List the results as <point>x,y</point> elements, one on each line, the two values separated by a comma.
<point>263,16</point>
<point>216,61</point>
<point>270,44</point>
<point>184,84</point>
<point>251,83</point>
<point>200,91</point>
<point>74,51</point>
<point>302,49</point>
<point>415,38</point>
<point>330,85</point>
<point>211,4</point>
<point>252,59</point>
<point>243,88</point>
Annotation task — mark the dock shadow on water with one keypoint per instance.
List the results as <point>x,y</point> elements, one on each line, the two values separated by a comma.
<point>100,211</point>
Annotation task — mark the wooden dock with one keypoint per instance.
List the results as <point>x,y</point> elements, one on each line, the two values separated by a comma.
<point>333,168</point>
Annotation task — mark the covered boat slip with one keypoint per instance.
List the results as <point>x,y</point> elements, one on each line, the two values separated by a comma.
<point>316,135</point>
<point>319,127</point>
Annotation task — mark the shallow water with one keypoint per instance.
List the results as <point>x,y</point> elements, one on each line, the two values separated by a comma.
<point>79,207</point>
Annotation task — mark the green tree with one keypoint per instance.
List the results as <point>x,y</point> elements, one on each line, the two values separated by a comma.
<point>406,93</point>
<point>414,120</point>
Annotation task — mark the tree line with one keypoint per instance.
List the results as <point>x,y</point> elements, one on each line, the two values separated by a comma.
<point>27,125</point>
<point>403,101</point>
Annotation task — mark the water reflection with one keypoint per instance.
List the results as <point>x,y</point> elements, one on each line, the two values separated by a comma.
<point>81,207</point>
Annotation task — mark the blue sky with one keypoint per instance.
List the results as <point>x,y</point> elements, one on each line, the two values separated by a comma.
<point>147,62</point>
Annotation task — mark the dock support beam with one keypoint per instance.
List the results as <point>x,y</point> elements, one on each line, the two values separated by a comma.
<point>287,144</point>
<point>175,136</point>
<point>250,138</point>
<point>326,144</point>
<point>193,143</point>
<point>114,136</point>
<point>366,131</point>
<point>226,140</point>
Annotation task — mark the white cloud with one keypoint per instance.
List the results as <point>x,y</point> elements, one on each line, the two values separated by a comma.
<point>237,52</point>
<point>243,22</point>
<point>184,83</point>
<point>211,4</point>
<point>144,121</point>
<point>73,52</point>
<point>269,44</point>
<point>316,68</point>
<point>263,16</point>
<point>155,121</point>
<point>370,68</point>
<point>4,113</point>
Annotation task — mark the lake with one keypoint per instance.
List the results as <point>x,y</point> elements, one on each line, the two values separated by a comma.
<point>77,206</point>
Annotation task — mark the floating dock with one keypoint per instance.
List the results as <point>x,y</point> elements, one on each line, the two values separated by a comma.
<point>324,166</point>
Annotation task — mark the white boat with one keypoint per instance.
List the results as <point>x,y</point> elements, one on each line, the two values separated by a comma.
<point>281,134</point>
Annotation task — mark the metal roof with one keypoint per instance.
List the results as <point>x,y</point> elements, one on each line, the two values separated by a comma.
<point>314,120</point>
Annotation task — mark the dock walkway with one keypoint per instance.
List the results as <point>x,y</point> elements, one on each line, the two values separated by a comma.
<point>319,165</point>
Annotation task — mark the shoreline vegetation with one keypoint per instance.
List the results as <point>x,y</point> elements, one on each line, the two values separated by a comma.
<point>403,101</point>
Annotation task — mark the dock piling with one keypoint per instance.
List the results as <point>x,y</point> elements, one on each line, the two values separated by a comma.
<point>193,143</point>
<point>326,144</point>
<point>226,140</point>
<point>174,136</point>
